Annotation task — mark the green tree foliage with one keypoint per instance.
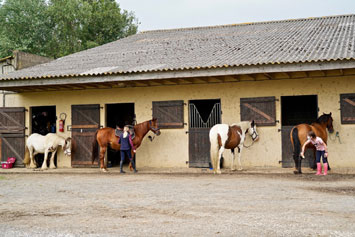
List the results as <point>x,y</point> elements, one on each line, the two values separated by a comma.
<point>56,28</point>
<point>24,25</point>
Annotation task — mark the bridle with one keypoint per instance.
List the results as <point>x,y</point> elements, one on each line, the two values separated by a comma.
<point>67,147</point>
<point>155,130</point>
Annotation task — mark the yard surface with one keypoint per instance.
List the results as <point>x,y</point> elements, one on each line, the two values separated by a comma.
<point>191,204</point>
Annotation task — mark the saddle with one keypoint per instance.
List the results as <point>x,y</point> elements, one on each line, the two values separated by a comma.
<point>119,131</point>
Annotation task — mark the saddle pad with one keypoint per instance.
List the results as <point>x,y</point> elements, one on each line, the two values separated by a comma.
<point>118,132</point>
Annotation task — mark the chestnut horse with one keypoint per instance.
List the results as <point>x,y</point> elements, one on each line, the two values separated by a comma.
<point>105,137</point>
<point>223,136</point>
<point>298,136</point>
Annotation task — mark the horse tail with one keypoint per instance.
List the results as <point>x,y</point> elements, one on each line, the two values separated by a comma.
<point>27,160</point>
<point>95,146</point>
<point>296,149</point>
<point>214,149</point>
<point>296,144</point>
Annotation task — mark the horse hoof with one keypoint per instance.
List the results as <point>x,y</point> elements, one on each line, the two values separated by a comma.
<point>240,169</point>
<point>52,167</point>
<point>44,168</point>
<point>104,170</point>
<point>219,172</point>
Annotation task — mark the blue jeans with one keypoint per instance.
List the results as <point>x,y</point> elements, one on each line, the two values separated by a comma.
<point>320,154</point>
<point>125,153</point>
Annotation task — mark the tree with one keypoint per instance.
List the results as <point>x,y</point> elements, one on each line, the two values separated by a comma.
<point>24,25</point>
<point>57,28</point>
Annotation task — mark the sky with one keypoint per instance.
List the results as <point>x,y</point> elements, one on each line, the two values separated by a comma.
<point>168,14</point>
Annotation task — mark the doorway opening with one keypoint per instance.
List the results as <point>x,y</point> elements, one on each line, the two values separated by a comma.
<point>118,115</point>
<point>296,110</point>
<point>203,115</point>
<point>43,121</point>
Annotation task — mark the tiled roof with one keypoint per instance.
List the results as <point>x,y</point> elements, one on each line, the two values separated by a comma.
<point>276,42</point>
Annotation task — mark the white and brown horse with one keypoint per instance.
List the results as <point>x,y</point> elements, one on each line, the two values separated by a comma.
<point>37,143</point>
<point>223,136</point>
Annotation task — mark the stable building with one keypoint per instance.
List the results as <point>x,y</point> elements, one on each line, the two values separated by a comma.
<point>279,73</point>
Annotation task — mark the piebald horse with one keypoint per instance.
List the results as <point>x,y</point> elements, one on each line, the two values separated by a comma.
<point>105,137</point>
<point>223,136</point>
<point>298,136</point>
<point>37,143</point>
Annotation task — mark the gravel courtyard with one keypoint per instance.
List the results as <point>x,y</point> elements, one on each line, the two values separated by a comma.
<point>197,204</point>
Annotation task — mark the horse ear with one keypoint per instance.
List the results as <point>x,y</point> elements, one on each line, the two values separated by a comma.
<point>253,123</point>
<point>330,114</point>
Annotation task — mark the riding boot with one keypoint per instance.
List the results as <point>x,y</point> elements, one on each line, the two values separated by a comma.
<point>121,167</point>
<point>319,169</point>
<point>325,168</point>
<point>134,166</point>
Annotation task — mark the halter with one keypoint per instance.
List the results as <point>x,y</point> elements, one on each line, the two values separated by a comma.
<point>152,128</point>
<point>252,137</point>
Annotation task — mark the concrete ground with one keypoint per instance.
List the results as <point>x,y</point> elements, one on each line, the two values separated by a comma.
<point>176,202</point>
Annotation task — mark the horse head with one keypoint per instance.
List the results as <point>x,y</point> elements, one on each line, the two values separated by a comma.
<point>153,126</point>
<point>327,120</point>
<point>67,147</point>
<point>252,131</point>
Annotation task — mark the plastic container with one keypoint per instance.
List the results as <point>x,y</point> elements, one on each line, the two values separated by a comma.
<point>9,163</point>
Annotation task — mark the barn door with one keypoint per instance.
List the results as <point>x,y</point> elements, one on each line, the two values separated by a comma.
<point>287,150</point>
<point>199,144</point>
<point>12,134</point>
<point>85,122</point>
<point>296,110</point>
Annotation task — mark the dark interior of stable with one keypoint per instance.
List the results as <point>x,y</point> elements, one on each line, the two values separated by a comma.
<point>298,109</point>
<point>204,107</point>
<point>118,115</point>
<point>43,121</point>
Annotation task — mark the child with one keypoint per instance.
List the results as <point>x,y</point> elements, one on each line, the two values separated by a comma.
<point>126,146</point>
<point>322,151</point>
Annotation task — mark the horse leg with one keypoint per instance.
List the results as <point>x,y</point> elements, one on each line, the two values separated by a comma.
<point>102,159</point>
<point>44,165</point>
<point>296,158</point>
<point>33,164</point>
<point>313,163</point>
<point>233,157</point>
<point>221,150</point>
<point>299,165</point>
<point>51,162</point>
<point>240,157</point>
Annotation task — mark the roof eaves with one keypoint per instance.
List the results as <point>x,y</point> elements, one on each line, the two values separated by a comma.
<point>174,69</point>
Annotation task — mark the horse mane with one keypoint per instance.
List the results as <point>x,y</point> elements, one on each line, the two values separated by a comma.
<point>323,118</point>
<point>244,125</point>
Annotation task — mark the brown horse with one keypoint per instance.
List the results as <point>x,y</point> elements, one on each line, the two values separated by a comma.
<point>105,137</point>
<point>299,133</point>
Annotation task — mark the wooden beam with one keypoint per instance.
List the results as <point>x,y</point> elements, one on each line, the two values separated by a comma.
<point>169,82</point>
<point>142,83</point>
<point>269,76</point>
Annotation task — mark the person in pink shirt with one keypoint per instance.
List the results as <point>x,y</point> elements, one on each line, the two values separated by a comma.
<point>322,151</point>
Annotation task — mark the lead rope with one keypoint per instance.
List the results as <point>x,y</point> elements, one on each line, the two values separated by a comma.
<point>249,145</point>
